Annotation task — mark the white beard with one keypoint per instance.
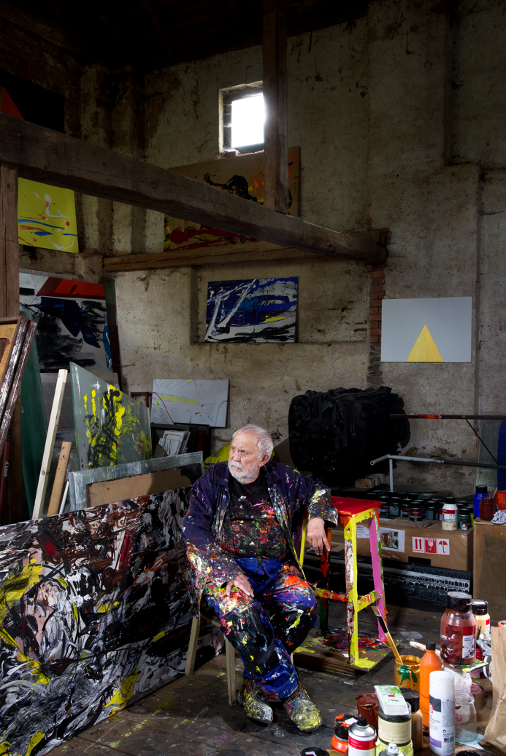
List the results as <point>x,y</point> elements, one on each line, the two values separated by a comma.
<point>238,472</point>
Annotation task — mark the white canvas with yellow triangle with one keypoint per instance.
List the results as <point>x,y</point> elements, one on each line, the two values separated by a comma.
<point>435,329</point>
<point>425,349</point>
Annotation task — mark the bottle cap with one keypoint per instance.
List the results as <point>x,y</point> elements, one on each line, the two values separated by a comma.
<point>480,606</point>
<point>412,697</point>
<point>450,500</point>
<point>481,489</point>
<point>362,722</point>
<point>430,646</point>
<point>459,601</point>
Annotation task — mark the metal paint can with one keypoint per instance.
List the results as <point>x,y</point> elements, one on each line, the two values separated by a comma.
<point>362,739</point>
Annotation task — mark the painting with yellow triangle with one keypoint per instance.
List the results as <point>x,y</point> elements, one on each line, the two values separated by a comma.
<point>435,329</point>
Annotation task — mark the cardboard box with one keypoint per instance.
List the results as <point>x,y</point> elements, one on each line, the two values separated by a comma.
<point>402,539</point>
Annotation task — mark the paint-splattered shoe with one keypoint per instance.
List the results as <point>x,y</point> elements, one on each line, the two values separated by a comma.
<point>253,704</point>
<point>302,710</point>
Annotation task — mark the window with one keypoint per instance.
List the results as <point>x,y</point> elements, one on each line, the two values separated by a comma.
<point>242,119</point>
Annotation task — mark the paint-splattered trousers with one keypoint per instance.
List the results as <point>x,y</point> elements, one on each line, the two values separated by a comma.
<point>267,628</point>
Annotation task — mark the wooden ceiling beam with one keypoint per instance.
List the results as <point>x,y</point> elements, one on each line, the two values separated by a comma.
<point>275,89</point>
<point>39,26</point>
<point>48,156</point>
<point>156,18</point>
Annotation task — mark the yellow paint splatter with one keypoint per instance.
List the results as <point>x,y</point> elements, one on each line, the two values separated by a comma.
<point>104,608</point>
<point>123,694</point>
<point>159,636</point>
<point>34,740</point>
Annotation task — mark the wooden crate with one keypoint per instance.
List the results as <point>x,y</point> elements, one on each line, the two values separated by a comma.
<point>489,567</point>
<point>438,547</point>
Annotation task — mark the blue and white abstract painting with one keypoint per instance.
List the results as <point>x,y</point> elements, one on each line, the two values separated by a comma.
<point>256,311</point>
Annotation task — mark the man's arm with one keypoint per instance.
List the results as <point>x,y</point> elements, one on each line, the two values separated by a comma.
<point>204,554</point>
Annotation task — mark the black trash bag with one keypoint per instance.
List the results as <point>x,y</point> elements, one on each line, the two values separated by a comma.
<point>336,434</point>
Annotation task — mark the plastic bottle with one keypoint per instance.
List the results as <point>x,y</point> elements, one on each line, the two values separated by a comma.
<point>394,719</point>
<point>480,491</point>
<point>458,629</point>
<point>428,663</point>
<point>412,697</point>
<point>482,617</point>
<point>442,713</point>
<point>450,514</point>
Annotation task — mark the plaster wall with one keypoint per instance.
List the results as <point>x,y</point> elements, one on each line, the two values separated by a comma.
<point>387,140</point>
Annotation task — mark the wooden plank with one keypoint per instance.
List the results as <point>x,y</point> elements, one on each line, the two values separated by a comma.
<point>275,90</point>
<point>59,479</point>
<point>14,357</point>
<point>13,497</point>
<point>108,491</point>
<point>15,382</point>
<point>45,155</point>
<point>9,243</point>
<point>7,336</point>
<point>247,252</point>
<point>48,448</point>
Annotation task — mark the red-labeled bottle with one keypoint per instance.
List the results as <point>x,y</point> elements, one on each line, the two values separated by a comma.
<point>458,629</point>
<point>429,662</point>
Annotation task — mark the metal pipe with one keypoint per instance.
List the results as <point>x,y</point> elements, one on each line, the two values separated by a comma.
<point>438,462</point>
<point>391,470</point>
<point>427,416</point>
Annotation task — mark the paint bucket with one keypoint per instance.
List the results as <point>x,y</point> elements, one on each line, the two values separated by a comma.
<point>500,499</point>
<point>407,674</point>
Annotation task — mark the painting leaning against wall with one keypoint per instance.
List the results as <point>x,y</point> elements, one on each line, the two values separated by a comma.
<point>94,615</point>
<point>261,310</point>
<point>111,427</point>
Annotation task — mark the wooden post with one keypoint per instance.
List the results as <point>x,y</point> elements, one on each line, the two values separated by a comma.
<point>275,88</point>
<point>9,244</point>
<point>9,307</point>
<point>59,479</point>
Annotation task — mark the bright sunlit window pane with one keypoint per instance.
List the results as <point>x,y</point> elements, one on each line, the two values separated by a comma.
<point>248,116</point>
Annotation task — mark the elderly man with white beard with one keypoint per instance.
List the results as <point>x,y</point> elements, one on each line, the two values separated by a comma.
<point>242,533</point>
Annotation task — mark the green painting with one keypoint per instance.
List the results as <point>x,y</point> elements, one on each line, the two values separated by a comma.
<point>111,428</point>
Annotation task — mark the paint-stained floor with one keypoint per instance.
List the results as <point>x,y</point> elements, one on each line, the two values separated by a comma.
<point>191,715</point>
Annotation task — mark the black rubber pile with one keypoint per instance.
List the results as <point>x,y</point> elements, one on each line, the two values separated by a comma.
<point>336,434</point>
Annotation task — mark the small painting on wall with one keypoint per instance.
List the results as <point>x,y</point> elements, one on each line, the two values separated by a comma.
<point>427,330</point>
<point>257,311</point>
<point>46,216</point>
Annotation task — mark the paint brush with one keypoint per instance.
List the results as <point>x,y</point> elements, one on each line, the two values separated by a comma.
<point>389,638</point>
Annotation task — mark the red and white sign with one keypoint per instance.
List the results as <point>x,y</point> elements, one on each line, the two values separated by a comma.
<point>430,545</point>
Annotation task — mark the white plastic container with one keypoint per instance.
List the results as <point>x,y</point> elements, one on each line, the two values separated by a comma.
<point>442,713</point>
<point>450,516</point>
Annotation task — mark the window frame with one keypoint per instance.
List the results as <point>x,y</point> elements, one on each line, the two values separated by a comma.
<point>227,95</point>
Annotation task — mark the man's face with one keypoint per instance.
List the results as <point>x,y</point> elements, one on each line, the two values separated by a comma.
<point>244,459</point>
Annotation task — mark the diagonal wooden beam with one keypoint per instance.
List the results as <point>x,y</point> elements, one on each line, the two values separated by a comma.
<point>45,155</point>
<point>38,25</point>
<point>154,14</point>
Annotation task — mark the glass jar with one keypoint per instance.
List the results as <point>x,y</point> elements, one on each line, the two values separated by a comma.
<point>430,512</point>
<point>465,718</point>
<point>458,629</point>
<point>416,512</point>
<point>465,522</point>
<point>395,506</point>
<point>487,508</point>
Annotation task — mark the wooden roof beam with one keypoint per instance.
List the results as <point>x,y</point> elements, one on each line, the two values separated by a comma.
<point>45,155</point>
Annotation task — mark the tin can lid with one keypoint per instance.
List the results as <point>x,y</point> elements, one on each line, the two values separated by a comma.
<point>459,601</point>
<point>480,606</point>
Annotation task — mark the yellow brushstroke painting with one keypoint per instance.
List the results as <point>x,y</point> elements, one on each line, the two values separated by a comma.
<point>424,348</point>
<point>46,216</point>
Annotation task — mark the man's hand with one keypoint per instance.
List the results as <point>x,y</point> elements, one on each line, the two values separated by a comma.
<point>316,535</point>
<point>241,582</point>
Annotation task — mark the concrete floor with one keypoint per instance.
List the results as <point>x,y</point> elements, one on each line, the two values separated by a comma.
<point>192,715</point>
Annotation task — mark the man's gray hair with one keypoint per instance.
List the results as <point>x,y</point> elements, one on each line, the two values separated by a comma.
<point>265,444</point>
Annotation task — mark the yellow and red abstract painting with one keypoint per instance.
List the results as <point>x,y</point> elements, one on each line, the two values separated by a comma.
<point>46,216</point>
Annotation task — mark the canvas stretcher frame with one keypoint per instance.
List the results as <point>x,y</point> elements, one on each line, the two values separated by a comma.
<point>81,481</point>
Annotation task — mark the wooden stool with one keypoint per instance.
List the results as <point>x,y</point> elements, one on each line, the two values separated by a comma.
<point>229,652</point>
<point>351,513</point>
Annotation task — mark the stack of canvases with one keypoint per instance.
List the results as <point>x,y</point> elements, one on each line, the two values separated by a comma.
<point>94,611</point>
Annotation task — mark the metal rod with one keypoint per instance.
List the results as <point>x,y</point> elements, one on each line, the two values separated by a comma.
<point>391,470</point>
<point>438,462</point>
<point>448,417</point>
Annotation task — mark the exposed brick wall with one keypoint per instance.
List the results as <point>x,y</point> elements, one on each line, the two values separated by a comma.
<point>377,292</point>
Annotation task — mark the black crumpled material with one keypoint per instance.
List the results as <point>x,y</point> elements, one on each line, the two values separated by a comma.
<point>336,434</point>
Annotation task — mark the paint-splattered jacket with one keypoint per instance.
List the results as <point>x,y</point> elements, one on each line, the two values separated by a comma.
<point>291,495</point>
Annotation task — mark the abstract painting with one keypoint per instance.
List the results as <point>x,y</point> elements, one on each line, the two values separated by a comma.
<point>72,321</point>
<point>190,401</point>
<point>94,615</point>
<point>243,176</point>
<point>257,311</point>
<point>427,330</point>
<point>46,216</point>
<point>111,428</point>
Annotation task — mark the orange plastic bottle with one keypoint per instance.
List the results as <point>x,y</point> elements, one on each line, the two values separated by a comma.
<point>428,663</point>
